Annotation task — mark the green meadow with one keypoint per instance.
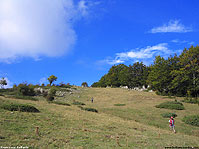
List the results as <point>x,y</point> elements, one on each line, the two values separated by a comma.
<point>125,119</point>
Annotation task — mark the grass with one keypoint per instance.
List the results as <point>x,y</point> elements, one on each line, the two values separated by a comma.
<point>25,97</point>
<point>138,124</point>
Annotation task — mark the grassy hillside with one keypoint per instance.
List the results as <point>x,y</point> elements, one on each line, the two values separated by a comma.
<point>125,119</point>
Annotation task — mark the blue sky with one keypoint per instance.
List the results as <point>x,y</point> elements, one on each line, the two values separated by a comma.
<point>79,40</point>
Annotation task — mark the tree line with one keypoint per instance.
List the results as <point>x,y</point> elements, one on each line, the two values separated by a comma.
<point>176,75</point>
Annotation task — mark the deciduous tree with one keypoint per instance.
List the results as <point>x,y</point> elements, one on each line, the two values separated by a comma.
<point>51,79</point>
<point>3,82</point>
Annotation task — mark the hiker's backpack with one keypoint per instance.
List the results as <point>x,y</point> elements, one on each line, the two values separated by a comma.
<point>171,122</point>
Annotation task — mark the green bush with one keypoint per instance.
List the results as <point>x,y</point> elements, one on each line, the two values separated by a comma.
<point>25,89</point>
<point>19,107</point>
<point>50,98</point>
<point>171,105</point>
<point>52,91</point>
<point>61,103</point>
<point>1,137</point>
<point>168,115</point>
<point>8,91</point>
<point>88,109</point>
<point>78,103</point>
<point>45,94</point>
<point>191,100</point>
<point>191,120</point>
<point>119,104</point>
<point>64,85</point>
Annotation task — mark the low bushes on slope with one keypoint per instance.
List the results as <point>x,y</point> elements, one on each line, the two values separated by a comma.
<point>119,104</point>
<point>19,107</point>
<point>171,105</point>
<point>88,109</point>
<point>26,89</point>
<point>191,100</point>
<point>50,98</point>
<point>61,103</point>
<point>78,103</point>
<point>191,120</point>
<point>168,115</point>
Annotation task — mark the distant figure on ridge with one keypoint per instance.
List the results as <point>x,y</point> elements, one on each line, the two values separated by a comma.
<point>92,99</point>
<point>171,124</point>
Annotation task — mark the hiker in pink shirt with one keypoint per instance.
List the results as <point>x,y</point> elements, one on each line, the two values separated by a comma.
<point>171,124</point>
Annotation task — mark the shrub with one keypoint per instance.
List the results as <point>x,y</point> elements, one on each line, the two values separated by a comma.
<point>8,91</point>
<point>50,98</point>
<point>19,107</point>
<point>191,120</point>
<point>45,93</point>
<point>78,103</point>
<point>14,87</point>
<point>25,89</point>
<point>48,85</point>
<point>88,109</point>
<point>64,85</point>
<point>119,104</point>
<point>1,137</point>
<point>61,103</point>
<point>91,109</point>
<point>84,84</point>
<point>191,100</point>
<point>171,105</point>
<point>52,91</point>
<point>168,115</point>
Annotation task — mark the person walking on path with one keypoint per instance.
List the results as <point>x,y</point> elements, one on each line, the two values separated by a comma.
<point>92,99</point>
<point>171,124</point>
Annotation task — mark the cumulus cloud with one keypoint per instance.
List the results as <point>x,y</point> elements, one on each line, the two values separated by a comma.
<point>35,28</point>
<point>172,26</point>
<point>138,54</point>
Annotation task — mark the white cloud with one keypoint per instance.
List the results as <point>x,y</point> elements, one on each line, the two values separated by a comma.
<point>83,7</point>
<point>43,80</point>
<point>191,43</point>
<point>112,61</point>
<point>35,28</point>
<point>177,41</point>
<point>138,54</point>
<point>172,26</point>
<point>142,53</point>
